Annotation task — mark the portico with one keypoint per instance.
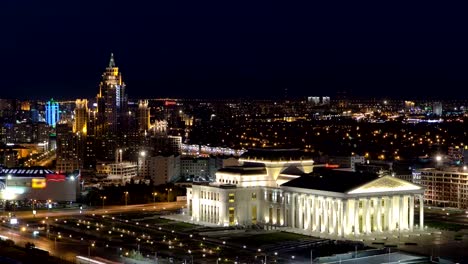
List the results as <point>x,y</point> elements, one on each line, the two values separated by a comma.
<point>382,205</point>
<point>329,202</point>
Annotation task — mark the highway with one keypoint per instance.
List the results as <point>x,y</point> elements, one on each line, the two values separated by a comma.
<point>113,209</point>
<point>67,248</point>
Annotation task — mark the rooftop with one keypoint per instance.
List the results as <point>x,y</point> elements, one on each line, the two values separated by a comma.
<point>331,180</point>
<point>276,154</point>
<point>25,171</point>
<point>243,170</point>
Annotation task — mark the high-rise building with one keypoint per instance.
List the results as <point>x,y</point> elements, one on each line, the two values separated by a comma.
<point>143,115</point>
<point>111,124</point>
<point>81,116</point>
<point>52,112</point>
<point>111,100</point>
<point>69,149</point>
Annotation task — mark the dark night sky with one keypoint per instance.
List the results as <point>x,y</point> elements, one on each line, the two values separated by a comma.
<point>234,49</point>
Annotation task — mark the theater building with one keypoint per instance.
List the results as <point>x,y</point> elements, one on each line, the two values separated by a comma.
<point>281,188</point>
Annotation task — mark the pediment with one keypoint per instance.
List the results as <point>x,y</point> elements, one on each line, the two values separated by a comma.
<point>385,184</point>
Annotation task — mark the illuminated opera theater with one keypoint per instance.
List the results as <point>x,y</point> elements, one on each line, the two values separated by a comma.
<point>280,188</point>
<point>38,183</point>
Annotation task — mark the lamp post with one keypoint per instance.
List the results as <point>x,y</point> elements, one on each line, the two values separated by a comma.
<point>168,191</point>
<point>89,249</point>
<point>126,197</point>
<point>154,196</point>
<point>103,199</point>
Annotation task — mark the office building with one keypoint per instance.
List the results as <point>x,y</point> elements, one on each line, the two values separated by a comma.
<point>52,112</point>
<point>80,121</point>
<point>445,187</point>
<point>143,115</point>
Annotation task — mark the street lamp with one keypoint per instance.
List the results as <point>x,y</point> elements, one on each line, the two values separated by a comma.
<point>168,191</point>
<point>89,249</point>
<point>126,197</point>
<point>154,196</point>
<point>103,199</point>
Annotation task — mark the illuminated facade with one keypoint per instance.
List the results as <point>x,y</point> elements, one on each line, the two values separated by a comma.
<point>112,99</point>
<point>111,120</point>
<point>81,116</point>
<point>143,115</point>
<point>445,187</point>
<point>52,112</point>
<point>281,190</point>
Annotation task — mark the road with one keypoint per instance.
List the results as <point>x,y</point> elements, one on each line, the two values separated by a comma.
<point>113,209</point>
<point>67,248</point>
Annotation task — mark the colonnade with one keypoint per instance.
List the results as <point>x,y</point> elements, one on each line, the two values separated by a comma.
<point>356,215</point>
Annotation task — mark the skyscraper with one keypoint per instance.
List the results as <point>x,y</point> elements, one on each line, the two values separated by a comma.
<point>111,119</point>
<point>111,99</point>
<point>143,115</point>
<point>52,112</point>
<point>81,116</point>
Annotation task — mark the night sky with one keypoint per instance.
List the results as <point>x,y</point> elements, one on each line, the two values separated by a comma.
<point>231,49</point>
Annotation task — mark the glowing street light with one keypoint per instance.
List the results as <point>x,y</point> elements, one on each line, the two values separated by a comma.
<point>103,199</point>
<point>154,196</point>
<point>168,192</point>
<point>126,197</point>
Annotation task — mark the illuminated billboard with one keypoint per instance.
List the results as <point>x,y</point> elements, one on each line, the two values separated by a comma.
<point>55,177</point>
<point>38,183</point>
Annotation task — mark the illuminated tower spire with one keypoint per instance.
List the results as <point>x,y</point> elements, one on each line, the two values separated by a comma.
<point>111,61</point>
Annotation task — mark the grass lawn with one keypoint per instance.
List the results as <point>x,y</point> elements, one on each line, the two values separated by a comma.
<point>179,226</point>
<point>445,226</point>
<point>268,239</point>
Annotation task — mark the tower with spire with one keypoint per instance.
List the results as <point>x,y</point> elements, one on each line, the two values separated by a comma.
<point>112,108</point>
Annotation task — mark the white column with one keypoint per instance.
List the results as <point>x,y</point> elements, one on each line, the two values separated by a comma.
<point>309,212</point>
<point>318,214</point>
<point>366,216</point>
<point>301,211</point>
<point>344,217</point>
<point>322,215</point>
<point>421,212</point>
<point>411,212</point>
<point>405,212</point>
<point>336,221</point>
<point>391,208</point>
<point>293,211</point>
<point>329,215</point>
<point>313,212</point>
<point>378,214</point>
<point>400,212</point>
<point>387,213</point>
<point>356,216</point>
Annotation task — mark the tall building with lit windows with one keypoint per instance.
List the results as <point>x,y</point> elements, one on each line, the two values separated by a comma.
<point>143,115</point>
<point>81,116</point>
<point>52,112</point>
<point>278,188</point>
<point>111,99</point>
<point>111,119</point>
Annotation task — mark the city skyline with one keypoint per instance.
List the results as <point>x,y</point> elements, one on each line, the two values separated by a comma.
<point>221,50</point>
